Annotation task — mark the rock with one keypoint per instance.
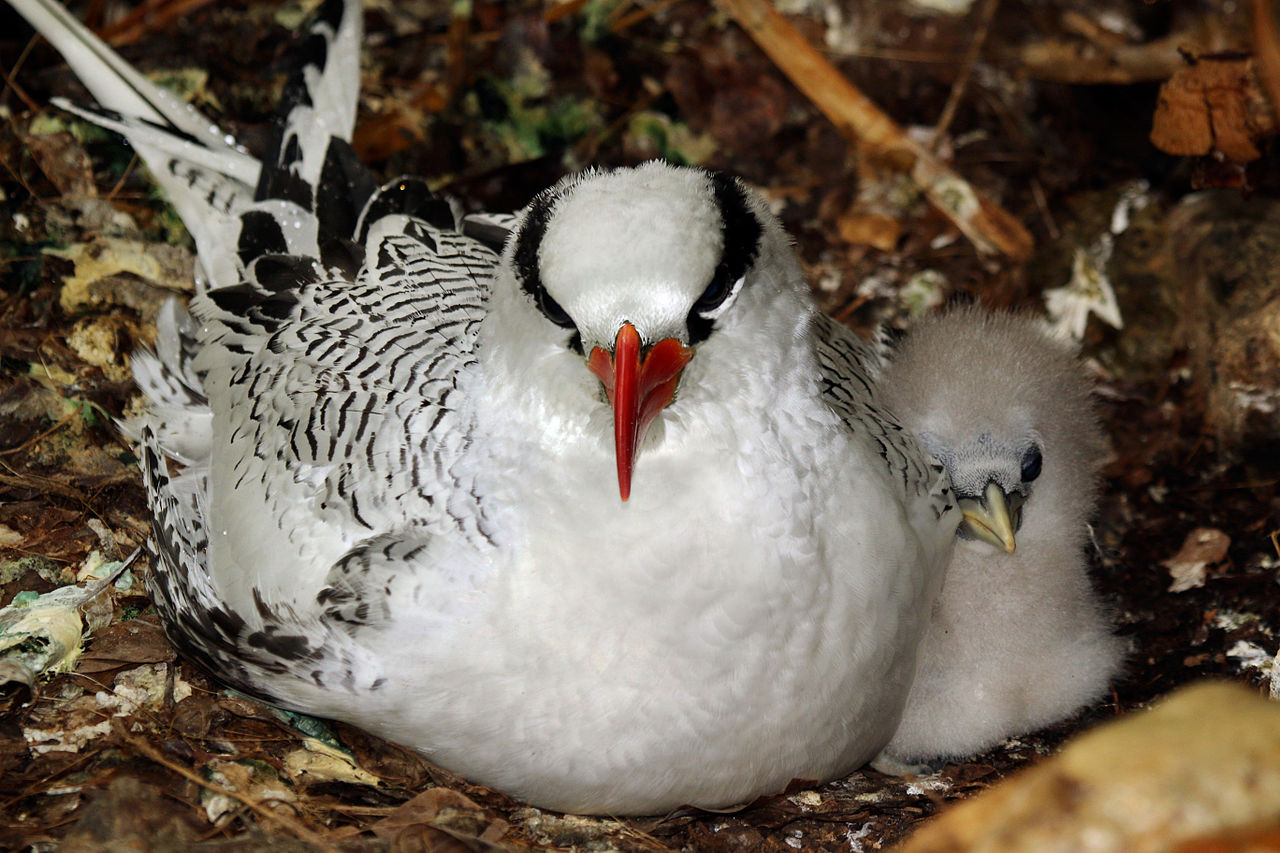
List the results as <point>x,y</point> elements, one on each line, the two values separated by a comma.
<point>1203,765</point>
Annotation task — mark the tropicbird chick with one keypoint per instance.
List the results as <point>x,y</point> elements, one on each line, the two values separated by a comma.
<point>1018,638</point>
<point>613,522</point>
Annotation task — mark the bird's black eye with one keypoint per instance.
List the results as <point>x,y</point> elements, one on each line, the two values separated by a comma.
<point>715,294</point>
<point>552,310</point>
<point>1032,461</point>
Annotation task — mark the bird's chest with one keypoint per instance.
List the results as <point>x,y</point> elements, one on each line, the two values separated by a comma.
<point>727,558</point>
<point>702,553</point>
<point>748,593</point>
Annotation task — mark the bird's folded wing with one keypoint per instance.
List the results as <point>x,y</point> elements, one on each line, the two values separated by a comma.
<point>848,365</point>
<point>243,649</point>
<point>356,381</point>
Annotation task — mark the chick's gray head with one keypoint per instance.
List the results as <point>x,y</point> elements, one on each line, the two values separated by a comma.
<point>1006,410</point>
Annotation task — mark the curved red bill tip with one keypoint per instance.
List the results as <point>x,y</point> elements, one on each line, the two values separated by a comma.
<point>639,386</point>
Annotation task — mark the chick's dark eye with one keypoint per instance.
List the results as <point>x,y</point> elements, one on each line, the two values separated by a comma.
<point>1032,462</point>
<point>552,310</point>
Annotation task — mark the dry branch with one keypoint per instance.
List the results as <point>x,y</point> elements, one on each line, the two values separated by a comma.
<point>1100,57</point>
<point>133,27</point>
<point>985,15</point>
<point>986,224</point>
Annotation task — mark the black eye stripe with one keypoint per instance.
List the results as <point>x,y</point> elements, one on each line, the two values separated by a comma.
<point>528,241</point>
<point>553,312</point>
<point>740,232</point>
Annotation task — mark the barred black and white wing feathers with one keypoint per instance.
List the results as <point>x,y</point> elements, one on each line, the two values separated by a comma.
<point>243,651</point>
<point>178,412</point>
<point>339,396</point>
<point>336,402</point>
<point>849,365</point>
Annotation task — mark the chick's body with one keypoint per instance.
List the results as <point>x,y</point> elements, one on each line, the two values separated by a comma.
<point>1017,640</point>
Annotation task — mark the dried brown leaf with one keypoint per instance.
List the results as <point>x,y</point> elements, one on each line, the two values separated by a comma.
<point>1203,548</point>
<point>130,815</point>
<point>870,229</point>
<point>1217,104</point>
<point>140,640</point>
<point>441,819</point>
<point>64,162</point>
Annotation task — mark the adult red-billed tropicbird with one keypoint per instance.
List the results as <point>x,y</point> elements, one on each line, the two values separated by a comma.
<point>612,521</point>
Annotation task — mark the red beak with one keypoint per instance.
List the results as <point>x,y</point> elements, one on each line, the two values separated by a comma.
<point>639,386</point>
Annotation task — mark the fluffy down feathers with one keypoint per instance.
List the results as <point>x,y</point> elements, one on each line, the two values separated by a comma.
<point>1017,640</point>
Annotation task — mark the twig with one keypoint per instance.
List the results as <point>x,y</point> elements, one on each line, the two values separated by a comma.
<point>292,824</point>
<point>619,23</point>
<point>36,786</point>
<point>151,14</point>
<point>1071,61</point>
<point>1037,193</point>
<point>219,828</point>
<point>850,308</point>
<point>19,179</point>
<point>985,14</point>
<point>562,10</point>
<point>128,170</point>
<point>986,224</point>
<point>10,75</point>
<point>367,811</point>
<point>50,431</point>
<point>94,590</point>
<point>94,14</point>
<point>31,481</point>
<point>850,110</point>
<point>890,54</point>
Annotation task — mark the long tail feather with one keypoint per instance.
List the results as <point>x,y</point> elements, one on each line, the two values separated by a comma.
<point>230,162</point>
<point>263,230</point>
<point>210,180</point>
<point>114,83</point>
